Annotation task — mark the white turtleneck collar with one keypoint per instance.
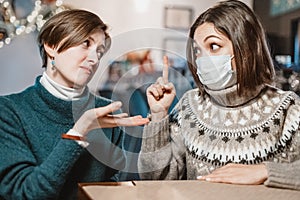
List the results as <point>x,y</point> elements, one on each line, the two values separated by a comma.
<point>61,91</point>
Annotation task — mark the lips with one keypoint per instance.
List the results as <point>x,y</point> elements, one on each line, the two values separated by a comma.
<point>88,69</point>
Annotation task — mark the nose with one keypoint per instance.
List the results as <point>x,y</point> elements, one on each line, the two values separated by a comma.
<point>93,56</point>
<point>204,53</point>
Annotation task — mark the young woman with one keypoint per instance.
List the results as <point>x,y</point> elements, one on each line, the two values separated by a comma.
<point>56,133</point>
<point>235,127</point>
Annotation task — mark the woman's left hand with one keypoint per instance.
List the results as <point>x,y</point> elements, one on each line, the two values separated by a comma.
<point>101,117</point>
<point>238,174</point>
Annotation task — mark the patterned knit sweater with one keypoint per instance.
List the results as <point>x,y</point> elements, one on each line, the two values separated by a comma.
<point>36,163</point>
<point>200,136</point>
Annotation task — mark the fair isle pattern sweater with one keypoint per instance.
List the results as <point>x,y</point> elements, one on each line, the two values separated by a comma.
<point>200,136</point>
<point>35,162</point>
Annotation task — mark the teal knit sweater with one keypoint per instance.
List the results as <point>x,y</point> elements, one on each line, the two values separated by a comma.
<point>36,163</point>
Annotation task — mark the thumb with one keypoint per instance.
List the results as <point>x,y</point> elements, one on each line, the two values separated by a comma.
<point>169,86</point>
<point>105,110</point>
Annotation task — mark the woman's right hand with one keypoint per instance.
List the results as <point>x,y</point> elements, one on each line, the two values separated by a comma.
<point>102,118</point>
<point>161,94</point>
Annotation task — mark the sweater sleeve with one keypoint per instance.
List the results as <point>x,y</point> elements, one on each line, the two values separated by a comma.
<point>284,175</point>
<point>287,174</point>
<point>21,176</point>
<point>162,153</point>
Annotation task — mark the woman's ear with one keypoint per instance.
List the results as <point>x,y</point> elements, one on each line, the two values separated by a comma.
<point>49,50</point>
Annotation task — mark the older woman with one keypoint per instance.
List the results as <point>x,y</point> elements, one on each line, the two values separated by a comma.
<point>56,133</point>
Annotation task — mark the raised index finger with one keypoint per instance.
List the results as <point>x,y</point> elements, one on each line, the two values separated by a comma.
<point>166,70</point>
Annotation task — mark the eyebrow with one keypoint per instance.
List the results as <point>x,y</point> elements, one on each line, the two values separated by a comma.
<point>211,36</point>
<point>196,47</point>
<point>91,38</point>
<point>100,46</point>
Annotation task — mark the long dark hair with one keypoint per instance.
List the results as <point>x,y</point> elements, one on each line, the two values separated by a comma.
<point>239,23</point>
<point>70,28</point>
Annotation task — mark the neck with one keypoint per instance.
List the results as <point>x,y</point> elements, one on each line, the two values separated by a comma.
<point>230,98</point>
<point>60,91</point>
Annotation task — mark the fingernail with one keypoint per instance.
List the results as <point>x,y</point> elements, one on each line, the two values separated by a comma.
<point>208,179</point>
<point>199,177</point>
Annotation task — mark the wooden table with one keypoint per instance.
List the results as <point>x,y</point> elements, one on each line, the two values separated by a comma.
<point>181,190</point>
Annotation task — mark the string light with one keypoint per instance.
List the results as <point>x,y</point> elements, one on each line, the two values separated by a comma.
<point>11,26</point>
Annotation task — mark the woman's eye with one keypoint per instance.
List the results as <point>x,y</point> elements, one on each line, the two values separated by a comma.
<point>197,51</point>
<point>86,43</point>
<point>215,47</point>
<point>99,54</point>
<point>100,51</point>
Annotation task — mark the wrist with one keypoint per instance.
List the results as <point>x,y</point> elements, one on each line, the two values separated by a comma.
<point>79,130</point>
<point>158,116</point>
<point>264,170</point>
<point>74,135</point>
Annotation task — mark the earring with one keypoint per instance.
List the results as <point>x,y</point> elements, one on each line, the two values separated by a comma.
<point>53,64</point>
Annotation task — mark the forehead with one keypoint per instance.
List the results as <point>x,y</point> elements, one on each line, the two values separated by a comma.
<point>98,37</point>
<point>206,31</point>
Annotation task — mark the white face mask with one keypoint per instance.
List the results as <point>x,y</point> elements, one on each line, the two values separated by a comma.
<point>216,72</point>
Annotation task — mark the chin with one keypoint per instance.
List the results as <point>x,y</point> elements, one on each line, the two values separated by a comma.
<point>83,80</point>
<point>80,84</point>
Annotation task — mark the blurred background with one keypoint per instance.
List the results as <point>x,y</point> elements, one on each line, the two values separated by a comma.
<point>19,56</point>
<point>142,31</point>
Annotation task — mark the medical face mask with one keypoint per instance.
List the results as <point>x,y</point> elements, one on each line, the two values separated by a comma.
<point>216,72</point>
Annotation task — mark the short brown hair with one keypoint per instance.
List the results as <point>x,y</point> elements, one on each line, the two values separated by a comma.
<point>239,23</point>
<point>70,28</point>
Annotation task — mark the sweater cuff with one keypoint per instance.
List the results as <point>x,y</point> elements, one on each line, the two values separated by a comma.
<point>156,135</point>
<point>282,175</point>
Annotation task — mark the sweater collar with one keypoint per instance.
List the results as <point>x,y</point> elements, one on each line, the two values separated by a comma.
<point>63,108</point>
<point>229,97</point>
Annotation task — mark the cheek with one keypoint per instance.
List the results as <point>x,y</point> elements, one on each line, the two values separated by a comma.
<point>76,53</point>
<point>233,64</point>
<point>72,58</point>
